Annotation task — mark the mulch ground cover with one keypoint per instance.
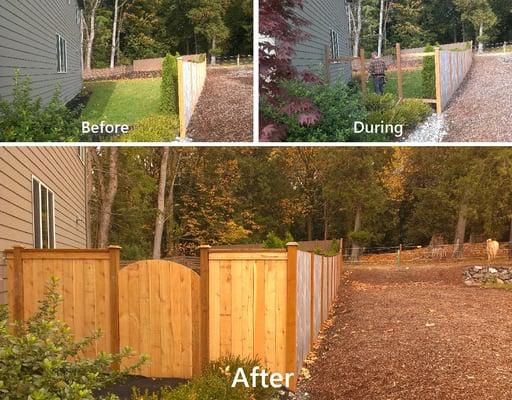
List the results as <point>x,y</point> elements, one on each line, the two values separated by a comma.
<point>124,390</point>
<point>224,112</point>
<point>415,333</point>
<point>481,110</point>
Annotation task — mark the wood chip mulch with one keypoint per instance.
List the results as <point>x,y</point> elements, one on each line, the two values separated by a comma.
<point>481,110</point>
<point>414,334</point>
<point>224,112</point>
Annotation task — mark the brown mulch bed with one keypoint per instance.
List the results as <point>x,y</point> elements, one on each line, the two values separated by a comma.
<point>414,334</point>
<point>224,112</point>
<point>482,108</point>
<point>150,385</point>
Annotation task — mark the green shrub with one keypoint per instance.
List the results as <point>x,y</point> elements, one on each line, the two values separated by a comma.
<point>215,384</point>
<point>26,120</point>
<point>169,103</point>
<point>376,102</point>
<point>409,113</point>
<point>155,128</point>
<point>428,75</point>
<point>275,242</point>
<point>362,238</point>
<point>40,360</point>
<point>339,104</point>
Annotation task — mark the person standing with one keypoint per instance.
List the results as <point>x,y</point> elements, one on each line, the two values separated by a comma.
<point>377,71</point>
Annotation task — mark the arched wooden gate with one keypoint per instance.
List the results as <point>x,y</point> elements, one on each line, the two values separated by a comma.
<point>159,315</point>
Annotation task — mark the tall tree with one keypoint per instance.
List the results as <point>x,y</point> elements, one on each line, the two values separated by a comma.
<point>89,28</point>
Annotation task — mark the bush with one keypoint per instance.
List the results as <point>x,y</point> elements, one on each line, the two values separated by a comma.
<point>169,103</point>
<point>275,242</point>
<point>376,102</point>
<point>215,384</point>
<point>339,104</point>
<point>428,75</point>
<point>40,360</point>
<point>408,113</point>
<point>26,120</point>
<point>155,128</point>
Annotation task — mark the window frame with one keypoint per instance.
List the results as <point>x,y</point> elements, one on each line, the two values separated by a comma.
<point>335,44</point>
<point>37,215</point>
<point>62,55</point>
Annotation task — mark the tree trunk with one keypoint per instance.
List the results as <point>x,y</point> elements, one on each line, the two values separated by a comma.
<point>460,232</point>
<point>357,227</point>
<point>169,205</point>
<point>381,28</point>
<point>90,32</point>
<point>326,222</point>
<point>480,43</point>
<point>160,212</point>
<point>88,191</point>
<point>309,226</point>
<point>107,197</point>
<point>114,35</point>
<point>118,39</point>
<point>214,57</point>
<point>357,31</point>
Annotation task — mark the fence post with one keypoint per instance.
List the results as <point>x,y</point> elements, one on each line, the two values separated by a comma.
<point>327,62</point>
<point>204,265</point>
<point>439,100</point>
<point>291,313</point>
<point>18,290</point>
<point>312,302</point>
<point>181,100</point>
<point>399,256</point>
<point>362,62</point>
<point>238,60</point>
<point>400,81</point>
<point>115,266</point>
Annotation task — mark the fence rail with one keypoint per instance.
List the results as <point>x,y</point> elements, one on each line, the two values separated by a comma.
<point>267,304</point>
<point>191,79</point>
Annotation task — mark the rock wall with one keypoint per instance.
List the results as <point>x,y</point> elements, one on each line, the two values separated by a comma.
<point>478,275</point>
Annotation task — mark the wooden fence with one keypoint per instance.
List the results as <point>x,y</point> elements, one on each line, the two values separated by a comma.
<point>88,283</point>
<point>265,304</point>
<point>191,79</point>
<point>452,66</point>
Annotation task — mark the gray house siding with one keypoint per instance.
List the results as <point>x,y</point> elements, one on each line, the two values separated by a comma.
<point>322,17</point>
<point>28,43</point>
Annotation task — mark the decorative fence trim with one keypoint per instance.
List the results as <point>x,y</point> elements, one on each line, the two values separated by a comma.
<point>191,79</point>
<point>263,303</point>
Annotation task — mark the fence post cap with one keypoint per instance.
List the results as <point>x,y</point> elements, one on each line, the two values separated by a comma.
<point>205,246</point>
<point>18,247</point>
<point>113,247</point>
<point>291,244</point>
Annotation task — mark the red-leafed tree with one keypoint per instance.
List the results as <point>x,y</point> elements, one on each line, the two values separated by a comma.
<point>281,30</point>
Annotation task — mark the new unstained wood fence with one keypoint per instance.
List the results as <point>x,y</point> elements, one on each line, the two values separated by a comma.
<point>191,79</point>
<point>266,304</point>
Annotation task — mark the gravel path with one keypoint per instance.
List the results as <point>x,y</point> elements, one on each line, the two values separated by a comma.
<point>225,109</point>
<point>414,334</point>
<point>433,129</point>
<point>481,110</point>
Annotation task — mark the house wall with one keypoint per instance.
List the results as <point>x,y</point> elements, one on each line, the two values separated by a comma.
<point>63,172</point>
<point>322,16</point>
<point>28,42</point>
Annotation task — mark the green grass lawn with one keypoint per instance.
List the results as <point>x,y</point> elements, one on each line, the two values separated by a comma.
<point>412,84</point>
<point>122,102</point>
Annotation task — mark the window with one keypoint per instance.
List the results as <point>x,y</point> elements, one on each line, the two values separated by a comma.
<point>78,16</point>
<point>80,152</point>
<point>335,48</point>
<point>44,215</point>
<point>62,56</point>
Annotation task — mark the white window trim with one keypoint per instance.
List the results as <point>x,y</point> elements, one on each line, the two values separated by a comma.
<point>37,245</point>
<point>335,44</point>
<point>59,39</point>
<point>81,154</point>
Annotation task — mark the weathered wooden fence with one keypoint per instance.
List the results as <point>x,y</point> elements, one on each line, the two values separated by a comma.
<point>452,66</point>
<point>191,79</point>
<point>266,304</point>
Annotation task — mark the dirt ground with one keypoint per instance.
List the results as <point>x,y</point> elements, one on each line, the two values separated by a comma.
<point>415,333</point>
<point>482,108</point>
<point>225,109</point>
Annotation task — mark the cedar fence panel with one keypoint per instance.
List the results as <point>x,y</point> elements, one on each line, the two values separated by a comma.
<point>191,79</point>
<point>159,315</point>
<point>87,281</point>
<point>303,307</point>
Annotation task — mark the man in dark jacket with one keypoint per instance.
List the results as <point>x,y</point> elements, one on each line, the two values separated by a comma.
<point>377,71</point>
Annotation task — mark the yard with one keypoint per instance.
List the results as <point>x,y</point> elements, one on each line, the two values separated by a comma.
<point>412,81</point>
<point>415,333</point>
<point>123,101</point>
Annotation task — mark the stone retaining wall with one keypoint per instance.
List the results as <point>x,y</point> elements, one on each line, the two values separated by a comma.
<point>478,275</point>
